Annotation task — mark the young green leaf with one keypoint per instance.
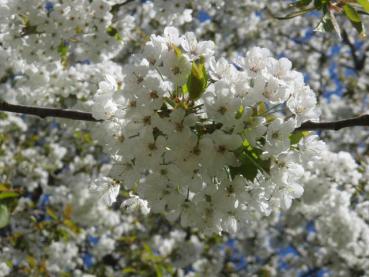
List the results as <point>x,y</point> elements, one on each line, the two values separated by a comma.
<point>355,19</point>
<point>251,162</point>
<point>351,13</point>
<point>325,24</point>
<point>63,51</point>
<point>8,194</point>
<point>113,32</point>
<point>4,216</point>
<point>297,136</point>
<point>364,4</point>
<point>198,80</point>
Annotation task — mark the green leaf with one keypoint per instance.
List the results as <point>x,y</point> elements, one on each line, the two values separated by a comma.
<point>293,14</point>
<point>301,3</point>
<point>129,270</point>
<point>4,216</point>
<point>71,225</point>
<point>297,136</point>
<point>63,50</point>
<point>359,28</point>
<point>321,4</point>
<point>4,187</point>
<point>264,272</point>
<point>240,112</point>
<point>8,194</point>
<point>247,168</point>
<point>355,19</point>
<point>351,13</point>
<point>364,4</point>
<point>318,4</point>
<point>184,89</point>
<point>198,80</point>
<point>261,108</point>
<point>51,213</point>
<point>159,270</point>
<point>251,162</point>
<point>177,51</point>
<point>113,32</point>
<point>148,249</point>
<point>83,136</point>
<point>325,24</point>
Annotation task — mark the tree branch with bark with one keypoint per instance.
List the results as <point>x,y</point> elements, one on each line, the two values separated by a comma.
<point>362,120</point>
<point>47,112</point>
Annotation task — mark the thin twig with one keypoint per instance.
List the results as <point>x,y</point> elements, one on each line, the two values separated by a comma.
<point>47,112</point>
<point>359,63</point>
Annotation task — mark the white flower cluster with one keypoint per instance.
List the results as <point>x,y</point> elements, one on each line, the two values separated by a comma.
<point>184,251</point>
<point>4,269</point>
<point>37,30</point>
<point>52,86</point>
<point>62,256</point>
<point>32,165</point>
<point>203,140</point>
<point>330,201</point>
<point>168,12</point>
<point>340,227</point>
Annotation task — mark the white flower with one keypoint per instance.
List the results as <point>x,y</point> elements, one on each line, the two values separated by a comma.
<point>219,69</point>
<point>222,149</point>
<point>221,104</point>
<point>153,50</point>
<point>277,138</point>
<point>229,224</point>
<point>275,90</point>
<point>105,107</point>
<point>256,60</point>
<point>287,174</point>
<point>171,36</point>
<point>311,147</point>
<point>253,128</point>
<point>176,68</point>
<point>196,49</point>
<point>105,190</point>
<point>280,68</point>
<point>135,203</point>
<point>303,104</point>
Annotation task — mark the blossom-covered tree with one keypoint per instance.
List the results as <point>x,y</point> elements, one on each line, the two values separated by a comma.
<point>183,138</point>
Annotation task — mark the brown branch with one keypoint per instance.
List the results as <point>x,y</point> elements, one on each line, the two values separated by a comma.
<point>335,125</point>
<point>47,112</point>
<point>84,116</point>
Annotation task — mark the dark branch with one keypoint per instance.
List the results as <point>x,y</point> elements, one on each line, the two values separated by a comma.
<point>335,125</point>
<point>77,115</point>
<point>115,8</point>
<point>47,112</point>
<point>359,63</point>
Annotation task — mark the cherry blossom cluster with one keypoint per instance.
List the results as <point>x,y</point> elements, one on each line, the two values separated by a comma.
<point>53,228</point>
<point>40,30</point>
<point>57,223</point>
<point>203,140</point>
<point>332,202</point>
<point>54,86</point>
